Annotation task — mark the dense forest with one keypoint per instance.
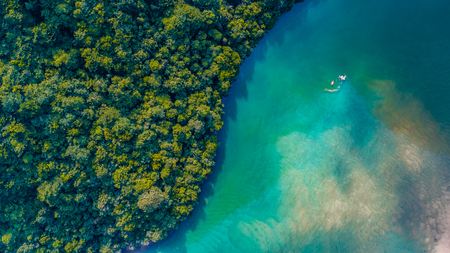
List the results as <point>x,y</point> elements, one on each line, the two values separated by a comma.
<point>108,113</point>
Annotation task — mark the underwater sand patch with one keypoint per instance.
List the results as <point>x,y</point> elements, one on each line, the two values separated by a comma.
<point>405,115</point>
<point>318,202</point>
<point>399,192</point>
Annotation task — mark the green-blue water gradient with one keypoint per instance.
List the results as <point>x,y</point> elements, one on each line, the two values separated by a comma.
<point>364,169</point>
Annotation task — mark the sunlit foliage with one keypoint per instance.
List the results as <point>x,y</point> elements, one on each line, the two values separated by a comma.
<point>108,110</point>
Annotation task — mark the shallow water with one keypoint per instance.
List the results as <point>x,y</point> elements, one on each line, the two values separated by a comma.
<point>364,169</point>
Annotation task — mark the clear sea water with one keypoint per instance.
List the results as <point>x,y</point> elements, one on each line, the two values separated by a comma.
<point>363,169</point>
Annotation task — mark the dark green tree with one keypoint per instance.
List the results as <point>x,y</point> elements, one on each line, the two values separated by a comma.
<point>108,113</point>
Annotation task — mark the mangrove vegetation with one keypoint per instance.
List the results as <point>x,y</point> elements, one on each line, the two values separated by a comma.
<point>108,114</point>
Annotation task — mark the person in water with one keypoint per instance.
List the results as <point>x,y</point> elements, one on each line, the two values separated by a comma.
<point>342,78</point>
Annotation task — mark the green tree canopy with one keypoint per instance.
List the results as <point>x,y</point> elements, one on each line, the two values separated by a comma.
<point>108,113</point>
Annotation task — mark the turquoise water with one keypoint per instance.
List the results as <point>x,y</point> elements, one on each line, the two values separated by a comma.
<point>364,169</point>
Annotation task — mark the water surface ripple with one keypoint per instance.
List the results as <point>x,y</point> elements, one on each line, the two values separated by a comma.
<point>363,169</point>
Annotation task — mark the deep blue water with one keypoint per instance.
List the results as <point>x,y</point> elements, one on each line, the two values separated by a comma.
<point>363,169</point>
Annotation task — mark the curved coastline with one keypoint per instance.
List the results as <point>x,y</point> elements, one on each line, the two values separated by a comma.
<point>364,169</point>
<point>327,152</point>
<point>109,113</point>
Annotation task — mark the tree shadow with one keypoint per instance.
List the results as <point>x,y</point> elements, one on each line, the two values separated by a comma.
<point>176,240</point>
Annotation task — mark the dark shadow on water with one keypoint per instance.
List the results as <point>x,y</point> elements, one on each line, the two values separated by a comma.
<point>176,240</point>
<point>288,22</point>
